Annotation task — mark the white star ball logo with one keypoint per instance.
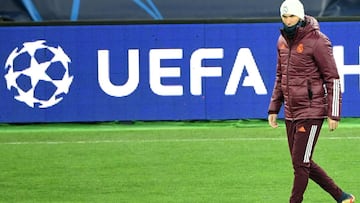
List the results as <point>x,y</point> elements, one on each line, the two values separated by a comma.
<point>38,74</point>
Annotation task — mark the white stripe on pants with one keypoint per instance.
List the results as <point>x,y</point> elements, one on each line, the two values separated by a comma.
<point>310,143</point>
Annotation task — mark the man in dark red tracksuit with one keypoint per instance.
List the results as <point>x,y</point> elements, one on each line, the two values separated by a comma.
<point>307,83</point>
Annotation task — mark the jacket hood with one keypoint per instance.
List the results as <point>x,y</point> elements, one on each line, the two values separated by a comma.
<point>312,22</point>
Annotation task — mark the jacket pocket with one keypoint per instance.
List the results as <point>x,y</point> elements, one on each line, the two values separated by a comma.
<point>310,92</point>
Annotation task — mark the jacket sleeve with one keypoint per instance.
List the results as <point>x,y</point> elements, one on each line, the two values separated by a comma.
<point>277,97</point>
<point>324,58</point>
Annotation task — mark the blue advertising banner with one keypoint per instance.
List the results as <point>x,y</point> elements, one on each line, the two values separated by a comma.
<point>82,73</point>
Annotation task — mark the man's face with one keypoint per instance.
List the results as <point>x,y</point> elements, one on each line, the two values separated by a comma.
<point>289,20</point>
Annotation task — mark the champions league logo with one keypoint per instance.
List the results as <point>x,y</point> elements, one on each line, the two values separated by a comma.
<point>37,74</point>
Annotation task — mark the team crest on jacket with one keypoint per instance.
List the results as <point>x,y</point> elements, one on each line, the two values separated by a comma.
<point>300,48</point>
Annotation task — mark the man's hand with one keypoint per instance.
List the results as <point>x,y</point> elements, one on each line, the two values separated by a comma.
<point>333,124</point>
<point>272,120</point>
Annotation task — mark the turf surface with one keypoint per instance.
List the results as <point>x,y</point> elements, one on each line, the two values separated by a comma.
<point>217,161</point>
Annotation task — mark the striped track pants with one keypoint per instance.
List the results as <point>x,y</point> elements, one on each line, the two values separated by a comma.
<point>302,137</point>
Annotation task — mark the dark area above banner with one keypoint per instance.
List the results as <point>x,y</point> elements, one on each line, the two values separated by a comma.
<point>76,10</point>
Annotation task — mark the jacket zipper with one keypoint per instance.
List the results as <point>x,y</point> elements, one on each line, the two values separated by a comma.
<point>287,80</point>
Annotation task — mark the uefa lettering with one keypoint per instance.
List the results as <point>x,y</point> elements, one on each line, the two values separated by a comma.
<point>244,61</point>
<point>344,69</point>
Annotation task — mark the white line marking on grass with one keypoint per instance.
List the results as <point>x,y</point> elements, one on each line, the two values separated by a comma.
<point>165,140</point>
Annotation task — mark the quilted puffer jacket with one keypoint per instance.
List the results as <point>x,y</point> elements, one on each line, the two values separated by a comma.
<point>307,81</point>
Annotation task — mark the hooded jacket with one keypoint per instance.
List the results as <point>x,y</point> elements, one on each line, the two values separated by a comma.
<point>307,81</point>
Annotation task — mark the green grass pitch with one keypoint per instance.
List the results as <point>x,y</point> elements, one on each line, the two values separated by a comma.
<point>227,161</point>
